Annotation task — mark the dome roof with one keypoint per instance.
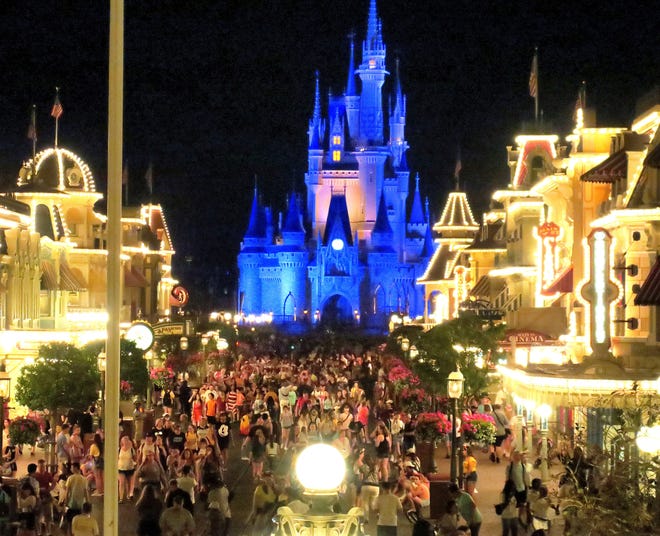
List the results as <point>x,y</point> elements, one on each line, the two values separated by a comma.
<point>56,169</point>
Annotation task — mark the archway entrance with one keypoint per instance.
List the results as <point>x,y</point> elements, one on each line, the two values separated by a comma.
<point>337,311</point>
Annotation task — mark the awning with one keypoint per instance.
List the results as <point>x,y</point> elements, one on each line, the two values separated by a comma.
<point>487,286</point>
<point>48,276</point>
<point>563,283</point>
<point>649,293</point>
<point>609,170</point>
<point>653,157</point>
<point>69,280</point>
<point>134,278</point>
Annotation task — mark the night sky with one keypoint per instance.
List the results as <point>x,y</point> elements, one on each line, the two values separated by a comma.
<point>216,92</point>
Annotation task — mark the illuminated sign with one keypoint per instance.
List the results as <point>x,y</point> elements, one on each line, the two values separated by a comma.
<point>169,328</point>
<point>549,235</point>
<point>461,287</point>
<point>599,291</point>
<point>179,296</point>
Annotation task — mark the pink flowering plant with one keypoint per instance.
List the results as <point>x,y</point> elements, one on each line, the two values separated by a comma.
<point>478,427</point>
<point>161,376</point>
<point>125,390</point>
<point>401,376</point>
<point>23,431</point>
<point>432,426</point>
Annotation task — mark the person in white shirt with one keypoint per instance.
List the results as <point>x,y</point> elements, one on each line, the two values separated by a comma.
<point>388,506</point>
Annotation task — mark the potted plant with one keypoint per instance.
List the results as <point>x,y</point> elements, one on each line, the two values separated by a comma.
<point>24,431</point>
<point>161,376</point>
<point>478,428</point>
<point>430,428</point>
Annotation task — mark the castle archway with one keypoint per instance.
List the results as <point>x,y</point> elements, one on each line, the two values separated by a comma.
<point>337,311</point>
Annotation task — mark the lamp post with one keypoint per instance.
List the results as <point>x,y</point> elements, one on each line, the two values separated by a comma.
<point>455,391</point>
<point>149,356</point>
<point>205,342</point>
<point>183,345</point>
<point>320,468</point>
<point>405,346</point>
<point>5,394</point>
<point>544,412</point>
<point>648,441</point>
<point>101,360</point>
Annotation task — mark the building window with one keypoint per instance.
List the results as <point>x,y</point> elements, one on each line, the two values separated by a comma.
<point>372,64</point>
<point>336,156</point>
<point>336,140</point>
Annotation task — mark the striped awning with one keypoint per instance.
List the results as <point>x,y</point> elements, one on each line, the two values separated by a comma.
<point>69,280</point>
<point>649,292</point>
<point>133,277</point>
<point>609,170</point>
<point>48,276</point>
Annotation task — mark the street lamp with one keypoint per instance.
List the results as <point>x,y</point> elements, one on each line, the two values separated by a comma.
<point>101,361</point>
<point>149,356</point>
<point>544,412</point>
<point>455,390</point>
<point>320,468</point>
<point>5,394</point>
<point>205,342</point>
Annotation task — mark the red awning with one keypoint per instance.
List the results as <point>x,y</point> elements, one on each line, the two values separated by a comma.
<point>563,283</point>
<point>649,293</point>
<point>134,278</point>
<point>609,170</point>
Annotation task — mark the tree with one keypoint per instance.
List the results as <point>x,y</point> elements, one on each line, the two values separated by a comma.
<point>466,342</point>
<point>62,377</point>
<point>132,368</point>
<point>622,492</point>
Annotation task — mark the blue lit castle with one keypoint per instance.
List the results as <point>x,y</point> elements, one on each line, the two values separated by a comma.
<point>347,254</point>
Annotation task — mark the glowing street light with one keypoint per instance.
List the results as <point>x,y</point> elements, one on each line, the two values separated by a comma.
<point>544,411</point>
<point>455,390</point>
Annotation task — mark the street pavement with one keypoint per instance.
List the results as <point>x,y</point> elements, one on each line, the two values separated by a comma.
<point>238,478</point>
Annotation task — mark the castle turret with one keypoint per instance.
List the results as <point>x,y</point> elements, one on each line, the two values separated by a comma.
<point>382,234</point>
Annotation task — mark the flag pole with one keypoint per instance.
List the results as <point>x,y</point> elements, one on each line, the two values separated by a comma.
<point>114,286</point>
<point>57,116</point>
<point>536,93</point>
<point>33,130</point>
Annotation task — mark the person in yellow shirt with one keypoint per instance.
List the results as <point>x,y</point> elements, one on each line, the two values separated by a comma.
<point>84,524</point>
<point>469,470</point>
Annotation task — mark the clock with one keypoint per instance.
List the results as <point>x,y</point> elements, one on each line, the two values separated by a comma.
<point>141,334</point>
<point>337,244</point>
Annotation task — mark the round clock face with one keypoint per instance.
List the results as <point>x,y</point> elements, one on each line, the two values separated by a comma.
<point>142,335</point>
<point>337,244</point>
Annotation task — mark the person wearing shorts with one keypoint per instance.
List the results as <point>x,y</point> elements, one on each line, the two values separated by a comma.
<point>224,436</point>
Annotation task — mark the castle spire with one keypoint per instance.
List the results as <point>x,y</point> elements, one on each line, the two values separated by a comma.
<point>350,82</point>
<point>428,249</point>
<point>416,212</point>
<point>292,223</point>
<point>316,125</point>
<point>255,225</point>
<point>399,99</point>
<point>373,35</point>
<point>382,224</point>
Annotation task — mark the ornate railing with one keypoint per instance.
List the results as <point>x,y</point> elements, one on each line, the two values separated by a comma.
<point>291,524</point>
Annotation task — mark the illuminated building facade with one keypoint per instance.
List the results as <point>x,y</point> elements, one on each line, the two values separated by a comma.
<point>53,272</point>
<point>347,252</point>
<point>569,254</point>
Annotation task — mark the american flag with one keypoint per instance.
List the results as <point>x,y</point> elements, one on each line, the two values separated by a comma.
<point>57,109</point>
<point>534,77</point>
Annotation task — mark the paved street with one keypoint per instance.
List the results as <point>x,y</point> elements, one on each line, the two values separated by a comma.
<point>238,477</point>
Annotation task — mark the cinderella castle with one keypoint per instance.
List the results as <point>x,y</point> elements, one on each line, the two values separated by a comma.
<point>348,253</point>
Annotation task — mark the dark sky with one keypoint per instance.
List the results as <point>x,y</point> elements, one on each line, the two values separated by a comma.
<point>216,92</point>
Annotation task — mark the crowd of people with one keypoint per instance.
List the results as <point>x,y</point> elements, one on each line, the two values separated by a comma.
<point>274,407</point>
